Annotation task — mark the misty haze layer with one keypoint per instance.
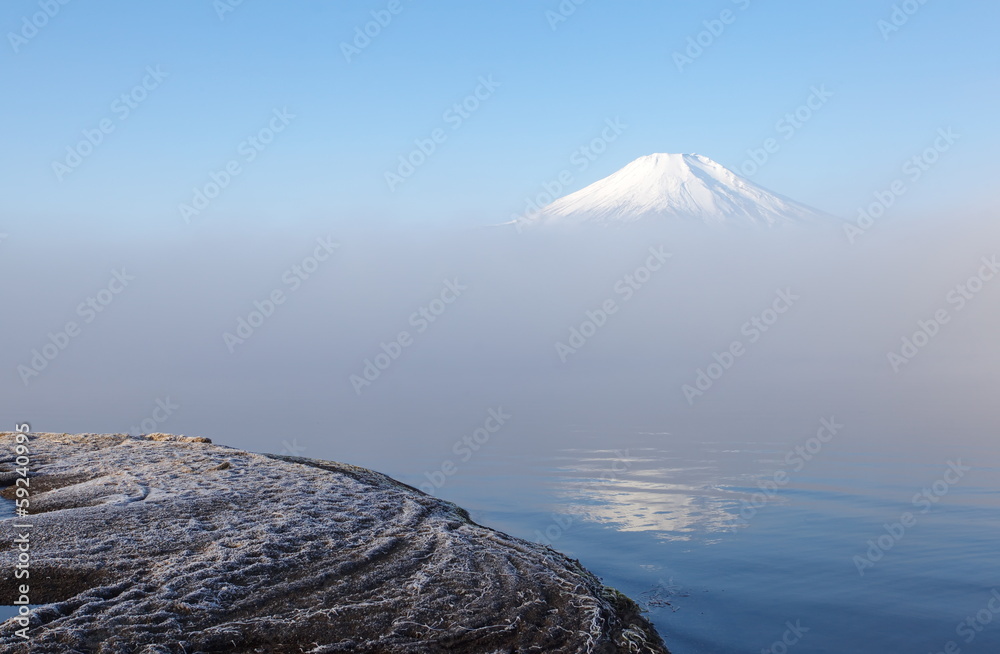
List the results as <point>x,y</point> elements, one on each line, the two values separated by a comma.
<point>496,341</point>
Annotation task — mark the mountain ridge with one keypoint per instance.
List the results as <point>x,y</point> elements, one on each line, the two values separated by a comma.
<point>676,186</point>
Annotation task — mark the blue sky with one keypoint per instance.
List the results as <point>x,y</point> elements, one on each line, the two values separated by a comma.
<point>557,85</point>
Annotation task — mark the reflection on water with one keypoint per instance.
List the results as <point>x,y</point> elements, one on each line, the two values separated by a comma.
<point>667,522</point>
<point>644,489</point>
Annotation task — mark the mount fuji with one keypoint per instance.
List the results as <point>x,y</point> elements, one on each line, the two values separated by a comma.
<point>675,186</point>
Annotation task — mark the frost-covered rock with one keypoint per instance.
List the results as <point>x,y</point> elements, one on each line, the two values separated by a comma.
<point>171,544</point>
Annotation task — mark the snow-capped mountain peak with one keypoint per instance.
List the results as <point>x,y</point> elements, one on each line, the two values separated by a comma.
<point>676,186</point>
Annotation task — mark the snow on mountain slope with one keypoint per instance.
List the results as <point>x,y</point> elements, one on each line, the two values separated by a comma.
<point>676,186</point>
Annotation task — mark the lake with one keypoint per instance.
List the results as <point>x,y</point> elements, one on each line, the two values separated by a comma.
<point>676,526</point>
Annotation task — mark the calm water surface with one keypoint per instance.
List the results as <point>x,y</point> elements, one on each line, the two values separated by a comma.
<point>674,526</point>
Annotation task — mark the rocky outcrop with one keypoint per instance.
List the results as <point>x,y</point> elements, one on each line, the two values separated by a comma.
<point>167,544</point>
